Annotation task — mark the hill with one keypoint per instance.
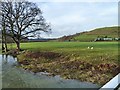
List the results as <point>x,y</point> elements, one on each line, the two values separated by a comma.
<point>99,34</point>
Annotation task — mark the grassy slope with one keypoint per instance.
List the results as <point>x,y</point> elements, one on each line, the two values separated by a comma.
<point>93,34</point>
<point>90,36</point>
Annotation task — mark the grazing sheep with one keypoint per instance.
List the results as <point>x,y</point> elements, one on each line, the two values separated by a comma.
<point>91,47</point>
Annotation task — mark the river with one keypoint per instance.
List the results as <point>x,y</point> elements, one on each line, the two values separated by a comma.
<point>14,77</point>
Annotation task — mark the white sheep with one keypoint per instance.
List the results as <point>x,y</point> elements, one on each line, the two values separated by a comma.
<point>91,48</point>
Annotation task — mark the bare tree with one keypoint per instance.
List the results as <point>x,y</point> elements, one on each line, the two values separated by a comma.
<point>24,19</point>
<point>4,39</point>
<point>3,31</point>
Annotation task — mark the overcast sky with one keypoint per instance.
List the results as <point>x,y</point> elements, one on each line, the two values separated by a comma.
<point>68,18</point>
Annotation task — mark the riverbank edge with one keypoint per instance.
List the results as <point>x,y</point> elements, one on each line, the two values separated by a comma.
<point>54,68</point>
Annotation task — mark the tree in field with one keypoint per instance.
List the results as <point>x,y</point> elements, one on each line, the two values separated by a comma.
<point>3,32</point>
<point>4,39</point>
<point>23,19</point>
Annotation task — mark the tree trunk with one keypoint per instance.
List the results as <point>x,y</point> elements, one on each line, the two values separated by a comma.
<point>18,46</point>
<point>3,48</point>
<point>6,49</point>
<point>4,43</point>
<point>4,39</point>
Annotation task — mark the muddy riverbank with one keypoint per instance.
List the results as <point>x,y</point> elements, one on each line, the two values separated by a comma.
<point>66,67</point>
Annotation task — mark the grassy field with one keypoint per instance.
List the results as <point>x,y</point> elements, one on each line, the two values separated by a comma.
<point>79,49</point>
<point>72,60</point>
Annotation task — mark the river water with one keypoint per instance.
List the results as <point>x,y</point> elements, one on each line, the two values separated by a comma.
<point>14,77</point>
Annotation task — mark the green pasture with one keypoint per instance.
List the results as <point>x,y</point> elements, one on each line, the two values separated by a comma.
<point>101,52</point>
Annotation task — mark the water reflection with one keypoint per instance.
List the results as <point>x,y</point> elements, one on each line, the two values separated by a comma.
<point>8,59</point>
<point>13,77</point>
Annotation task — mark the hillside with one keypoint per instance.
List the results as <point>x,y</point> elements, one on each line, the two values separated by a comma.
<point>93,35</point>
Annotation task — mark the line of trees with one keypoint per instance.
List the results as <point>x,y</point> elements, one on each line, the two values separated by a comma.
<point>21,20</point>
